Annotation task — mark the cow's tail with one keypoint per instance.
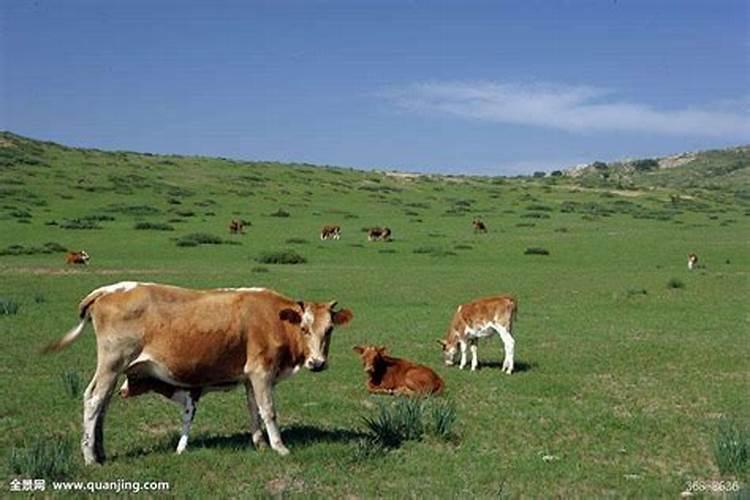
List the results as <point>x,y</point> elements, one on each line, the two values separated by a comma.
<point>84,313</point>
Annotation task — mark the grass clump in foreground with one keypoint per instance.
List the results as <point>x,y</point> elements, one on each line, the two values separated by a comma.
<point>44,458</point>
<point>281,257</point>
<point>406,419</point>
<point>8,307</point>
<point>732,448</point>
<point>675,284</point>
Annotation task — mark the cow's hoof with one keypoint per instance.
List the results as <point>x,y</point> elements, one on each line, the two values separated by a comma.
<point>281,450</point>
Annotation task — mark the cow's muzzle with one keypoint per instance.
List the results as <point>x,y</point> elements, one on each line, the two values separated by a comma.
<point>315,365</point>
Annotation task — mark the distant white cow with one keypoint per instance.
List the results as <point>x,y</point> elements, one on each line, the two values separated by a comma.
<point>692,261</point>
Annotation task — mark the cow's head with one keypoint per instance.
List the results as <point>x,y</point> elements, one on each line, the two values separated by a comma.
<point>84,256</point>
<point>316,322</point>
<point>450,349</point>
<point>370,355</point>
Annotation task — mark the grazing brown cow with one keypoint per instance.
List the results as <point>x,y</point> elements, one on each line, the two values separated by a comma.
<point>479,226</point>
<point>692,261</point>
<point>379,233</point>
<point>77,257</point>
<point>391,375</point>
<point>330,232</point>
<point>477,319</point>
<point>236,227</point>
<point>177,341</point>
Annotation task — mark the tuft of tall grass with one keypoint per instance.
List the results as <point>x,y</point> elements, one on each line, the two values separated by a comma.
<point>195,239</point>
<point>8,307</point>
<point>280,213</point>
<point>72,383</point>
<point>410,419</point>
<point>153,226</point>
<point>43,458</point>
<point>732,447</point>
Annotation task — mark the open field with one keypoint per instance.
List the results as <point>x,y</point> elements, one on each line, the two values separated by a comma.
<point>626,361</point>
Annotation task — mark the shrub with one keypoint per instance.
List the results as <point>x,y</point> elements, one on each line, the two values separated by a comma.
<point>675,283</point>
<point>281,257</point>
<point>732,448</point>
<point>195,239</point>
<point>259,269</point>
<point>636,291</point>
<point>71,383</point>
<point>297,241</point>
<point>185,213</point>
<point>536,251</point>
<point>136,210</point>
<point>79,224</point>
<point>49,247</point>
<point>153,226</point>
<point>280,213</point>
<point>462,246</point>
<point>409,419</point>
<point>43,458</point>
<point>8,307</point>
<point>387,250</point>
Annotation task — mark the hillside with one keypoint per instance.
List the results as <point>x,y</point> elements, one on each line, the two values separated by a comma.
<point>610,320</point>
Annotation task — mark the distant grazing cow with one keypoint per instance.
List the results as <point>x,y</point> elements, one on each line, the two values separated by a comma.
<point>477,319</point>
<point>236,227</point>
<point>479,226</point>
<point>181,342</point>
<point>379,233</point>
<point>692,261</point>
<point>77,257</point>
<point>391,375</point>
<point>330,232</point>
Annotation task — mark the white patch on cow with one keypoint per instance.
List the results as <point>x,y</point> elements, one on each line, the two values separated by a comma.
<point>146,365</point>
<point>123,286</point>
<point>474,360</point>
<point>243,289</point>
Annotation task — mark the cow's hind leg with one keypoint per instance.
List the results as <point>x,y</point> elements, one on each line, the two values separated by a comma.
<point>189,407</point>
<point>252,409</point>
<point>474,359</point>
<point>262,387</point>
<point>462,345</point>
<point>95,401</point>
<point>509,345</point>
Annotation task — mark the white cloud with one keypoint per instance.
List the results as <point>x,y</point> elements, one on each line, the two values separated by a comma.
<point>570,108</point>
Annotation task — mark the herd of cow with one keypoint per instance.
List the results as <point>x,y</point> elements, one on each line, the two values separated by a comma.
<point>182,343</point>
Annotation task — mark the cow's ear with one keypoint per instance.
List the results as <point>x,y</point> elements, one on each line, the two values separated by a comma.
<point>291,316</point>
<point>332,305</point>
<point>342,317</point>
<point>358,349</point>
<point>301,305</point>
<point>442,342</point>
<point>381,349</point>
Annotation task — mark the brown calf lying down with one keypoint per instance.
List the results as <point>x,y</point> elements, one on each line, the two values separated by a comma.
<point>391,375</point>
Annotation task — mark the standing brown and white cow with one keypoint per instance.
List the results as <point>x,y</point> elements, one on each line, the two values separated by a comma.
<point>77,257</point>
<point>479,226</point>
<point>379,233</point>
<point>164,337</point>
<point>477,319</point>
<point>330,232</point>
<point>692,261</point>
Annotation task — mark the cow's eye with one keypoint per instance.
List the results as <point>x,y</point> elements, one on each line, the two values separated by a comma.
<point>305,330</point>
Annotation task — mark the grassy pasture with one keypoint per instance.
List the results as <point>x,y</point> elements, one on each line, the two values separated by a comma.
<point>622,379</point>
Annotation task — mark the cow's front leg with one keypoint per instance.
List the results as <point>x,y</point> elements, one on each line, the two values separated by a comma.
<point>189,407</point>
<point>262,387</point>
<point>462,345</point>
<point>252,409</point>
<point>474,360</point>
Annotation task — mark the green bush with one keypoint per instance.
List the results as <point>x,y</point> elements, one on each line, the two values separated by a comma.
<point>280,213</point>
<point>732,448</point>
<point>675,283</point>
<point>281,257</point>
<point>195,239</point>
<point>44,458</point>
<point>409,419</point>
<point>8,307</point>
<point>154,226</point>
<point>536,251</point>
<point>79,224</point>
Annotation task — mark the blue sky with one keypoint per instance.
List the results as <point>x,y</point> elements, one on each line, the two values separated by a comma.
<point>494,88</point>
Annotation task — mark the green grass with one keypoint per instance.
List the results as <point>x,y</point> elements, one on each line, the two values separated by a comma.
<point>616,393</point>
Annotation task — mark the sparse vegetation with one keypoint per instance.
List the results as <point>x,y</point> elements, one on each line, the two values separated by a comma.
<point>8,307</point>
<point>45,457</point>
<point>153,226</point>
<point>281,257</point>
<point>732,447</point>
<point>536,251</point>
